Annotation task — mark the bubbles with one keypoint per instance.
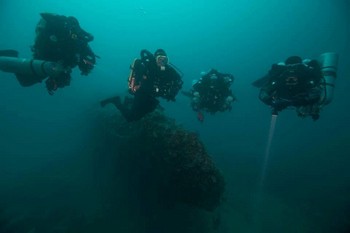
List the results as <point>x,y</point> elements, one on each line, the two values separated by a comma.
<point>268,149</point>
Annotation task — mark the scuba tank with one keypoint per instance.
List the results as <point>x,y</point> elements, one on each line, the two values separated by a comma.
<point>329,65</point>
<point>29,71</point>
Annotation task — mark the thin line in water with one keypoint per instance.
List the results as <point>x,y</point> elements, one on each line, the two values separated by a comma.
<point>258,209</point>
<point>268,149</point>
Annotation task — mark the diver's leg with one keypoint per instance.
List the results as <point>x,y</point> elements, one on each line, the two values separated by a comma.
<point>113,100</point>
<point>142,105</point>
<point>128,101</point>
<point>130,114</point>
<point>124,107</point>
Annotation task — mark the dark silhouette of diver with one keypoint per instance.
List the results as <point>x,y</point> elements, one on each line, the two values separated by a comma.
<point>151,76</point>
<point>60,45</point>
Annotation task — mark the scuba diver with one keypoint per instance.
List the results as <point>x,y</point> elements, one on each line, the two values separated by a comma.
<point>151,76</point>
<point>60,45</point>
<point>211,93</point>
<point>61,39</point>
<point>306,85</point>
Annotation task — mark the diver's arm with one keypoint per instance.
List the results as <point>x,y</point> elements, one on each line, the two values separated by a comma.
<point>259,83</point>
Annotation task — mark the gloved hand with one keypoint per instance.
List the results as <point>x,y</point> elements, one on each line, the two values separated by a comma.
<point>51,85</point>
<point>86,64</point>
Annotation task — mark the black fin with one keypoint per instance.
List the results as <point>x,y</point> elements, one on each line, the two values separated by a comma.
<point>8,53</point>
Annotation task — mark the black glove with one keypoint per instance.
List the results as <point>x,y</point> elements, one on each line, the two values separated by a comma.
<point>51,85</point>
<point>86,64</point>
<point>87,59</point>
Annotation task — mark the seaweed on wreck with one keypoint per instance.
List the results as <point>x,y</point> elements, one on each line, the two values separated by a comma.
<point>184,171</point>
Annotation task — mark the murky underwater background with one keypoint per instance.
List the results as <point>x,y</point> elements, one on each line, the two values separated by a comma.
<point>56,177</point>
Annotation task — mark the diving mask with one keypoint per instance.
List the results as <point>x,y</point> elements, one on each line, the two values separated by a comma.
<point>162,61</point>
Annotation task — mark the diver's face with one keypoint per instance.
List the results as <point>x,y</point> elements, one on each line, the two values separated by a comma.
<point>162,60</point>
